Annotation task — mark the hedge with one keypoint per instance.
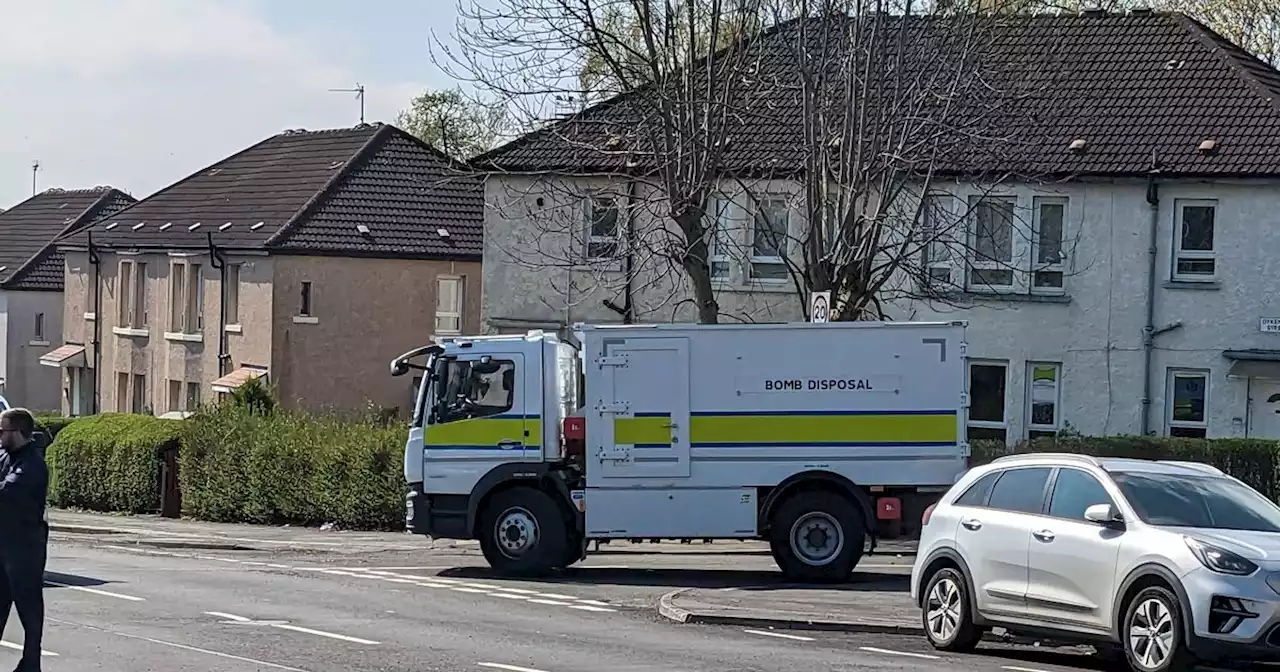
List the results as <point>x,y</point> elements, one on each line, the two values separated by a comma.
<point>53,424</point>
<point>110,462</point>
<point>243,464</point>
<point>1254,461</point>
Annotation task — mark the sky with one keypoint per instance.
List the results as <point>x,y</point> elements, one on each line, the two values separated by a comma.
<point>138,94</point>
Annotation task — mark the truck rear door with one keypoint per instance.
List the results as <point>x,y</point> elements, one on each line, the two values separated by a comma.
<point>641,412</point>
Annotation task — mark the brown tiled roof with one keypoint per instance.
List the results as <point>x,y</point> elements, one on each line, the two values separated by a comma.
<point>28,259</point>
<point>1133,86</point>
<point>371,190</point>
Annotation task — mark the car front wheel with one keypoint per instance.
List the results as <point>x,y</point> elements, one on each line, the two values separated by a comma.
<point>1154,639</point>
<point>948,620</point>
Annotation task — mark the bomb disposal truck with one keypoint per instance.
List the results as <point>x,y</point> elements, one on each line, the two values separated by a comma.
<point>811,436</point>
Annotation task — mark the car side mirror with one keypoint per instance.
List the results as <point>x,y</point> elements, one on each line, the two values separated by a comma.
<point>1104,514</point>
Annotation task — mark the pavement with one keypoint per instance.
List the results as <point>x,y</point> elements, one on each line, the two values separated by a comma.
<point>117,600</point>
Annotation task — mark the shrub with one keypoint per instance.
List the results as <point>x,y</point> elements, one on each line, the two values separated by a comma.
<point>255,396</point>
<point>110,462</point>
<point>53,424</point>
<point>241,465</point>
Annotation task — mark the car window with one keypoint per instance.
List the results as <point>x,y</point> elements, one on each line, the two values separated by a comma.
<point>1211,502</point>
<point>1020,490</point>
<point>977,493</point>
<point>1075,491</point>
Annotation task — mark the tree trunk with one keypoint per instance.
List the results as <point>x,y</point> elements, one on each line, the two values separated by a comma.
<point>696,266</point>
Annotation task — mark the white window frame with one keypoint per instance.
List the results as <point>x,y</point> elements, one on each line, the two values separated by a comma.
<point>450,314</point>
<point>1179,207</point>
<point>192,403</point>
<point>719,237</point>
<point>1039,265</point>
<point>138,393</point>
<point>1169,423</point>
<point>968,386</point>
<point>39,334</point>
<point>976,264</point>
<point>175,395</point>
<point>306,299</point>
<point>131,293</point>
<point>91,301</point>
<point>1032,426</point>
<point>935,253</point>
<point>124,383</point>
<point>186,297</point>
<point>759,202</point>
<point>589,209</point>
<point>231,296</point>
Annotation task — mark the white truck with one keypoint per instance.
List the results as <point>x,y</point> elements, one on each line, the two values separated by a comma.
<point>811,436</point>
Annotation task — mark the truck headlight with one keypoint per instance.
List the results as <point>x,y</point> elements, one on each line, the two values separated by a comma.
<point>1218,559</point>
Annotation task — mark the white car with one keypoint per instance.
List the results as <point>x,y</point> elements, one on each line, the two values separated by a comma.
<point>1170,562</point>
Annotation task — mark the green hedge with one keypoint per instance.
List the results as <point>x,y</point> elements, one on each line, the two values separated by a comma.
<point>1254,461</point>
<point>244,465</point>
<point>110,462</point>
<point>53,424</point>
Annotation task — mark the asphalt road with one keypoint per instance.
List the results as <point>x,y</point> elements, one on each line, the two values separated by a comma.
<point>119,608</point>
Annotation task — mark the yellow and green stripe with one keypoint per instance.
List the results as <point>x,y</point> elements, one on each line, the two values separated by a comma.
<point>730,429</point>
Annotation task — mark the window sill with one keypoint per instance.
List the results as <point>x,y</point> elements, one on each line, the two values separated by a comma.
<point>90,316</point>
<point>39,344</point>
<point>1197,285</point>
<point>130,331</point>
<point>233,329</point>
<point>754,286</point>
<point>305,319</point>
<point>184,337</point>
<point>995,296</point>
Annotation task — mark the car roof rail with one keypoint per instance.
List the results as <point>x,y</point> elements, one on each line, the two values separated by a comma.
<point>1069,457</point>
<point>1198,466</point>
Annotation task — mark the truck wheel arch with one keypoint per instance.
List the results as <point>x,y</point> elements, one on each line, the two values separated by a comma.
<point>815,480</point>
<point>538,475</point>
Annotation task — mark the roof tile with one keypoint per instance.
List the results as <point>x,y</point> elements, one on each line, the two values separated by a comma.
<point>29,261</point>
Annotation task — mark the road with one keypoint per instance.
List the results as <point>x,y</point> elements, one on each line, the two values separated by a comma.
<point>115,607</point>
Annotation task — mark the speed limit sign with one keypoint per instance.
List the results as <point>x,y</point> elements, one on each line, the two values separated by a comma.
<point>820,307</point>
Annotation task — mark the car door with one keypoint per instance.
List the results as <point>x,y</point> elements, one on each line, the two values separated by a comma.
<point>1073,561</point>
<point>995,539</point>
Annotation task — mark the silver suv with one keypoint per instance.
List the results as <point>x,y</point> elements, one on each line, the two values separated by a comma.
<point>1170,562</point>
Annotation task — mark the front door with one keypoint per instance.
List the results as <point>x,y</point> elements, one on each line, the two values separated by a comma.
<point>642,412</point>
<point>481,412</point>
<point>1264,408</point>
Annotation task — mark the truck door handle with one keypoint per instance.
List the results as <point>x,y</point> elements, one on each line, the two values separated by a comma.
<point>509,443</point>
<point>972,524</point>
<point>1043,535</point>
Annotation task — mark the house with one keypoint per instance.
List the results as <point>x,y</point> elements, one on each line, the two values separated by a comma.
<point>31,286</point>
<point>1131,288</point>
<point>308,260</point>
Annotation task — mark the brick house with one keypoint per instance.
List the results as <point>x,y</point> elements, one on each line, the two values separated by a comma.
<point>31,286</point>
<point>310,260</point>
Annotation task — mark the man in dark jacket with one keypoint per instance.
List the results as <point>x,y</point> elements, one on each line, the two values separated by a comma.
<point>24,530</point>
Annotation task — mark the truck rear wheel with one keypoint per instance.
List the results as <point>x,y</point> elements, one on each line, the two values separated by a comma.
<point>522,532</point>
<point>817,537</point>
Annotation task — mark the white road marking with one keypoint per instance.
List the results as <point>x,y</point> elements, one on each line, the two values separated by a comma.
<point>184,647</point>
<point>509,668</point>
<point>779,635</point>
<point>95,591</point>
<point>908,654</point>
<point>597,603</point>
<point>520,591</point>
<point>276,566</point>
<point>1015,668</point>
<point>229,617</point>
<point>461,589</point>
<point>587,607</point>
<point>322,633</point>
<point>483,586</point>
<point>557,596</point>
<point>509,596</point>
<point>550,602</point>
<point>11,645</point>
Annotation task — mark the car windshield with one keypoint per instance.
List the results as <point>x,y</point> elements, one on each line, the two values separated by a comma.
<point>1217,503</point>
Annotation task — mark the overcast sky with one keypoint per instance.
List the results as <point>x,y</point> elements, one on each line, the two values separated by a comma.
<point>138,94</point>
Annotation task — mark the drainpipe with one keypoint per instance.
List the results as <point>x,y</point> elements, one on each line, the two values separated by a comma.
<point>1149,328</point>
<point>96,260</point>
<point>216,260</point>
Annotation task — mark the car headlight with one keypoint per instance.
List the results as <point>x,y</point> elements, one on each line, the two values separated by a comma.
<point>1219,559</point>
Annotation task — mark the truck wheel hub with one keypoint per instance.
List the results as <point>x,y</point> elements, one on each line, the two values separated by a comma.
<point>816,539</point>
<point>516,532</point>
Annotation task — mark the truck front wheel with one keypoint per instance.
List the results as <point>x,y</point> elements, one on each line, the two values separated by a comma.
<point>817,536</point>
<point>523,532</point>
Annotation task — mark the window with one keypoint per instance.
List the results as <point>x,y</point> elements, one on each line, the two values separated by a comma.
<point>986,401</point>
<point>1188,398</point>
<point>193,396</point>
<point>1047,271</point>
<point>304,303</point>
<point>175,395</point>
<point>992,242</point>
<point>769,238</point>
<point>475,389</point>
<point>1205,502</point>
<point>122,393</point>
<point>603,227</point>
<point>448,305</point>
<point>1020,490</point>
<point>91,301</point>
<point>231,299</point>
<point>1044,398</point>
<point>977,493</point>
<point>131,295</point>
<point>936,262</point>
<point>186,298</point>
<point>1194,258</point>
<point>1073,492</point>
<point>718,236</point>
<point>39,330</point>
<point>140,404</point>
